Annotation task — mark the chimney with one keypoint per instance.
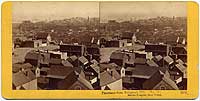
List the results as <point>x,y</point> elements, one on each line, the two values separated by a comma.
<point>108,69</point>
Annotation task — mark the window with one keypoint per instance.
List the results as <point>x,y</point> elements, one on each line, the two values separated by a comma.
<point>162,87</point>
<point>123,71</point>
<point>77,88</point>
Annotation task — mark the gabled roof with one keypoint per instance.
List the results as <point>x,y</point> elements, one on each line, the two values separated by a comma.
<point>95,67</point>
<point>108,77</point>
<point>32,55</point>
<point>163,70</point>
<point>69,81</point>
<point>73,58</point>
<point>30,74</point>
<point>85,82</point>
<point>168,59</point>
<point>78,69</point>
<point>17,66</point>
<point>83,60</point>
<point>170,82</point>
<point>158,58</point>
<point>152,63</point>
<point>180,61</point>
<point>59,71</point>
<point>72,78</point>
<point>179,50</point>
<point>156,47</point>
<point>21,78</point>
<point>181,67</point>
<point>143,71</point>
<point>66,63</point>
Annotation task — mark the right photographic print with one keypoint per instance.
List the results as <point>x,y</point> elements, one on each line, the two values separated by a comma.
<point>143,45</point>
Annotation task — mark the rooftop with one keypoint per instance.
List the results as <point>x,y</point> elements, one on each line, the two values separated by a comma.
<point>59,71</point>
<point>109,76</point>
<point>142,71</point>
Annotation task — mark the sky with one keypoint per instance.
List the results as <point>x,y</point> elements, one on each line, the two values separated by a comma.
<point>38,11</point>
<point>121,11</point>
<point>127,10</point>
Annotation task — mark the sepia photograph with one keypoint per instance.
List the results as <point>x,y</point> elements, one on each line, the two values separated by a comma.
<point>95,45</point>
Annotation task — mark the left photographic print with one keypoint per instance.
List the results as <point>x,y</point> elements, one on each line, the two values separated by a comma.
<point>48,51</point>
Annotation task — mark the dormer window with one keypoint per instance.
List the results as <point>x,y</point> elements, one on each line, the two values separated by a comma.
<point>162,88</point>
<point>77,88</point>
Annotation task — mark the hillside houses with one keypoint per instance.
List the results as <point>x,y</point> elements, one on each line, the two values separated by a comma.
<point>130,63</point>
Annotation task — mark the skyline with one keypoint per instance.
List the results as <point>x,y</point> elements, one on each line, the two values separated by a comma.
<point>119,11</point>
<point>141,10</point>
<point>40,11</point>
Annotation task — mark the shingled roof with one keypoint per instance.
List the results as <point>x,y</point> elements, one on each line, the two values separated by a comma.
<point>143,71</point>
<point>19,79</point>
<point>168,59</point>
<point>33,55</point>
<point>95,67</point>
<point>17,66</point>
<point>180,61</point>
<point>109,76</point>
<point>85,82</point>
<point>152,63</point>
<point>158,58</point>
<point>66,63</point>
<point>59,71</point>
<point>179,50</point>
<point>22,77</point>
<point>83,60</point>
<point>117,55</point>
<point>105,66</point>
<point>181,67</point>
<point>170,82</point>
<point>73,58</point>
